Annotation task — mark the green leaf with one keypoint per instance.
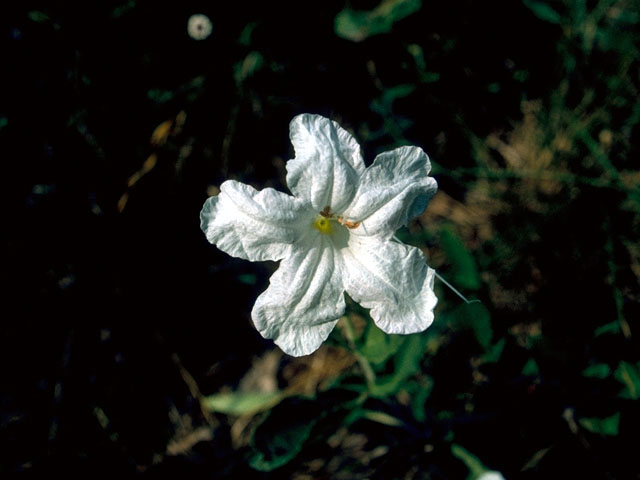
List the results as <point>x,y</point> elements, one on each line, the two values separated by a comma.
<point>282,434</point>
<point>612,327</point>
<point>399,91</point>
<point>629,375</point>
<point>253,62</point>
<point>494,352</point>
<point>407,363</point>
<point>465,273</point>
<point>243,403</point>
<point>419,399</point>
<point>530,368</point>
<point>38,16</point>
<point>382,418</point>
<point>159,95</point>
<point>520,75</point>
<point>472,462</point>
<point>603,426</point>
<point>357,25</point>
<point>493,87</point>
<point>378,346</point>
<point>543,11</point>
<point>599,370</point>
<point>123,9</point>
<point>285,446</point>
<point>247,33</point>
<point>247,278</point>
<point>430,77</point>
<point>475,317</point>
<point>444,415</point>
<point>418,55</point>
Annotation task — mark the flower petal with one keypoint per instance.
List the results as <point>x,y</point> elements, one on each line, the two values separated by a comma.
<point>251,224</point>
<point>304,300</point>
<point>328,163</point>
<point>391,279</point>
<point>392,191</point>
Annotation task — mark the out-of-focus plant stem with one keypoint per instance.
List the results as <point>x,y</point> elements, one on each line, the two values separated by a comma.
<point>367,371</point>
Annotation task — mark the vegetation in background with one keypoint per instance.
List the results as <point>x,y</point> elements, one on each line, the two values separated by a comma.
<point>132,348</point>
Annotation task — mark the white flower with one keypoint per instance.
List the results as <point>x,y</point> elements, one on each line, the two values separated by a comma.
<point>333,236</point>
<point>199,26</point>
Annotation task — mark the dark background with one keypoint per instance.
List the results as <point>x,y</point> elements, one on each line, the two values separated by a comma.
<point>115,305</point>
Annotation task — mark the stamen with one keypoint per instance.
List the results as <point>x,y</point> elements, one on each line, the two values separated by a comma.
<point>326,212</point>
<point>348,223</point>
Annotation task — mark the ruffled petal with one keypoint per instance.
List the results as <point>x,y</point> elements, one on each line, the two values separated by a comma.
<point>254,225</point>
<point>304,300</point>
<point>391,192</point>
<point>328,163</point>
<point>391,279</point>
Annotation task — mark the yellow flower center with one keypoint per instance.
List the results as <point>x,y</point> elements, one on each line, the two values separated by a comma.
<point>323,225</point>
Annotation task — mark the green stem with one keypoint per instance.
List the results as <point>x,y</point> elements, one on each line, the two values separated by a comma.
<point>613,270</point>
<point>368,372</point>
<point>472,462</point>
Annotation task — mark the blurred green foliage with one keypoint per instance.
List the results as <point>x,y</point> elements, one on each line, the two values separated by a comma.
<point>242,403</point>
<point>629,375</point>
<point>115,126</point>
<point>281,436</point>
<point>604,426</point>
<point>464,274</point>
<point>357,25</point>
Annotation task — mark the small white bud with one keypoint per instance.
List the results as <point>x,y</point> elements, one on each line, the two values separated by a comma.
<point>199,26</point>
